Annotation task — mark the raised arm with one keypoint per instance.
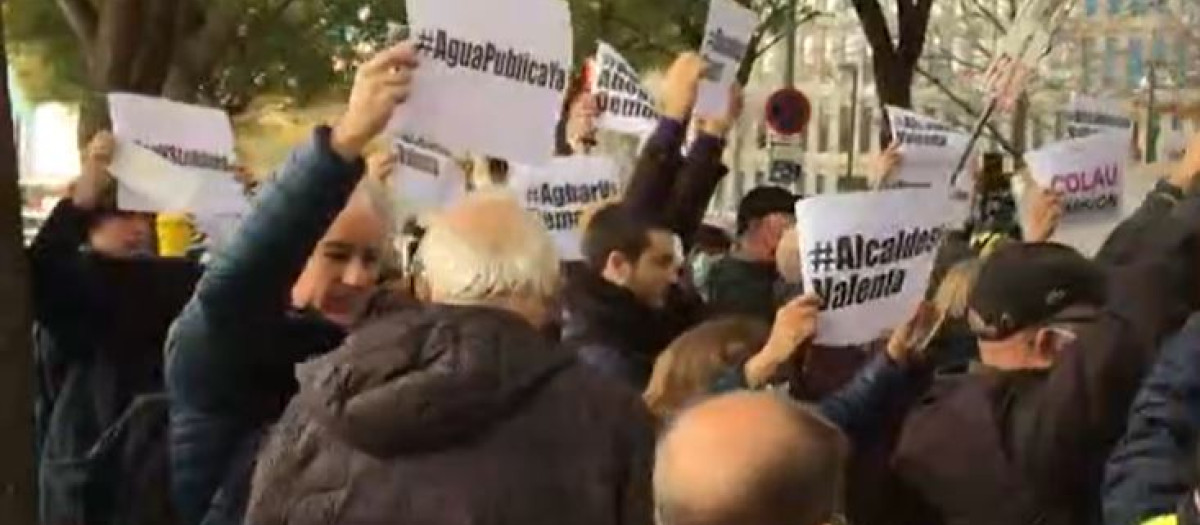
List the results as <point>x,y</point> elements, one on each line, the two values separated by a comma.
<point>659,162</point>
<point>702,172</point>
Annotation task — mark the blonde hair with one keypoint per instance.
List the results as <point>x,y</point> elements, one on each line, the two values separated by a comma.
<point>955,290</point>
<point>688,367</point>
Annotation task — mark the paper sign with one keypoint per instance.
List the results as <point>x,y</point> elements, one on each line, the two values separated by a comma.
<point>426,180</point>
<point>147,182</point>
<point>1172,145</point>
<point>1088,172</point>
<point>625,105</point>
<point>561,190</point>
<point>868,255</point>
<point>930,152</point>
<point>492,78</point>
<point>195,146</point>
<point>1086,116</point>
<point>726,39</point>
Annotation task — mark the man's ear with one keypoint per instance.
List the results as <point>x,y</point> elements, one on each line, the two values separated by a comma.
<point>618,267</point>
<point>1045,344</point>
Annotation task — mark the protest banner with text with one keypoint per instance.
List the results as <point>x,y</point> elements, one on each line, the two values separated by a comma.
<point>1086,116</point>
<point>492,78</point>
<point>426,180</point>
<point>931,150</point>
<point>1088,172</point>
<point>624,103</point>
<point>174,157</point>
<point>561,190</point>
<point>726,41</point>
<point>868,255</point>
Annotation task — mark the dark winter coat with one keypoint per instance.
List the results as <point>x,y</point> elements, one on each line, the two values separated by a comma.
<point>451,415</point>
<point>1154,466</point>
<point>1030,446</point>
<point>100,327</point>
<point>612,330</point>
<point>232,352</point>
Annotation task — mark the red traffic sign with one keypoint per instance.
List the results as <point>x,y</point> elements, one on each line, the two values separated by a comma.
<point>788,111</point>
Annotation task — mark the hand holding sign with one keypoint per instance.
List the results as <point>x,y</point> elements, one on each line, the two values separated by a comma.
<point>1045,211</point>
<point>883,165</point>
<point>380,85</point>
<point>681,85</point>
<point>909,341</point>
<point>87,191</point>
<point>795,323</point>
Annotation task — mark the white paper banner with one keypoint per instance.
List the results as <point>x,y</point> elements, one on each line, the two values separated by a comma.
<point>1086,116</point>
<point>726,38</point>
<point>492,78</point>
<point>625,104</point>
<point>868,255</point>
<point>559,192</point>
<point>930,152</point>
<point>193,149</point>
<point>426,180</point>
<point>146,182</point>
<point>1088,172</point>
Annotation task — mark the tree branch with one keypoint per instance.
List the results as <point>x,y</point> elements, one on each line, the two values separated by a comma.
<point>913,25</point>
<point>990,16</point>
<point>875,28</point>
<point>83,19</point>
<point>966,106</point>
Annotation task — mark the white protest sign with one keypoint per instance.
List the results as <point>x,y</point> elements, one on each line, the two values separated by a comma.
<point>146,182</point>
<point>1088,172</point>
<point>195,146</point>
<point>625,105</point>
<point>1086,116</point>
<point>868,255</point>
<point>726,39</point>
<point>426,180</point>
<point>492,78</point>
<point>930,152</point>
<point>559,192</point>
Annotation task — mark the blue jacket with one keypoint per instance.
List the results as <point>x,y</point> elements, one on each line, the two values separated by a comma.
<point>1151,470</point>
<point>856,408</point>
<point>232,351</point>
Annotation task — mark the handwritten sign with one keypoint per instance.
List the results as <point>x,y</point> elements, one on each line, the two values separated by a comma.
<point>559,192</point>
<point>493,76</point>
<point>868,255</point>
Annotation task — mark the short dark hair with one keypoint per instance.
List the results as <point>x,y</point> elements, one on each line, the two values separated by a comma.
<point>616,228</point>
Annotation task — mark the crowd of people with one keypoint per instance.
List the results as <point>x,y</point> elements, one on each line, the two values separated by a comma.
<point>302,376</point>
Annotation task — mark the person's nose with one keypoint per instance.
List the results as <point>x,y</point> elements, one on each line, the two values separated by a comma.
<point>357,274</point>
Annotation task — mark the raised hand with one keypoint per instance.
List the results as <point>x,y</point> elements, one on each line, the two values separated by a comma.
<point>909,340</point>
<point>380,85</point>
<point>681,86</point>
<point>795,324</point>
<point>87,191</point>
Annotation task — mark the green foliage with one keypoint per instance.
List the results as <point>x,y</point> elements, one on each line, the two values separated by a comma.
<point>43,52</point>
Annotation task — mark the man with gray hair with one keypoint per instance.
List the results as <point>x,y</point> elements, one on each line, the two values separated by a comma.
<point>749,459</point>
<point>459,411</point>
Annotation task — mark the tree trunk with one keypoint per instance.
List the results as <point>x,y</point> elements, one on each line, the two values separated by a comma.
<point>17,490</point>
<point>1020,129</point>
<point>894,87</point>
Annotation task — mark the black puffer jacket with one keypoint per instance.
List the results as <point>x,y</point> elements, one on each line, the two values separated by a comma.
<point>451,415</point>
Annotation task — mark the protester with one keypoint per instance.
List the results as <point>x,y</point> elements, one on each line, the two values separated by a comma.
<point>300,271</point>
<point>102,305</point>
<point>711,245</point>
<point>428,414</point>
<point>744,283</point>
<point>687,369</point>
<point>749,459</point>
<point>625,305</point>
<point>1065,343</point>
<point>1152,472</point>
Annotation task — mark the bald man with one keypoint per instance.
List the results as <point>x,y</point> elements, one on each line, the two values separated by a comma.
<point>749,459</point>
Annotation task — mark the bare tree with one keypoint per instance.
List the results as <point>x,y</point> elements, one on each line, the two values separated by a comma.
<point>17,493</point>
<point>895,59</point>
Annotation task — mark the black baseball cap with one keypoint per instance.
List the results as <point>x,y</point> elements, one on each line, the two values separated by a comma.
<point>763,201</point>
<point>1025,284</point>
